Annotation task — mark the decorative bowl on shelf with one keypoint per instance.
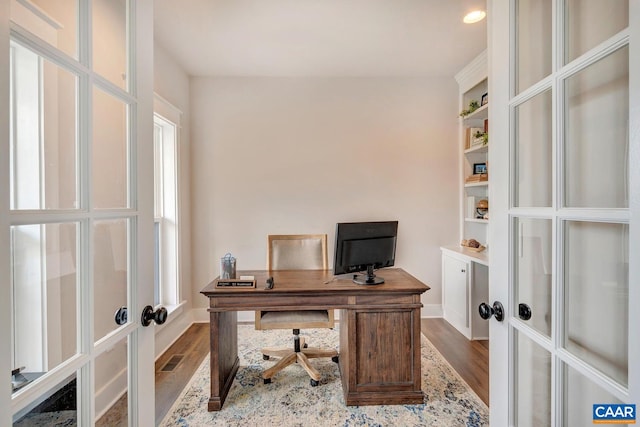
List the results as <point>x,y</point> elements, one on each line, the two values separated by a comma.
<point>473,245</point>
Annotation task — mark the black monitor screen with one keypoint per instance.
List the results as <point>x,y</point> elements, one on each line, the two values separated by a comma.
<point>365,246</point>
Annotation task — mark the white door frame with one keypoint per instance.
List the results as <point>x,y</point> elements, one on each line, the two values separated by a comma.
<point>5,293</point>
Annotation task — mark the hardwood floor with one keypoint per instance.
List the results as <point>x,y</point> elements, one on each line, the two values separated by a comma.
<point>469,358</point>
<point>193,346</point>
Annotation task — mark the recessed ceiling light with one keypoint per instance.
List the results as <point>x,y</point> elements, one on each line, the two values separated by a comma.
<point>474,16</point>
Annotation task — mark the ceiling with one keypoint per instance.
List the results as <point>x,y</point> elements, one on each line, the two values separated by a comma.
<point>319,37</point>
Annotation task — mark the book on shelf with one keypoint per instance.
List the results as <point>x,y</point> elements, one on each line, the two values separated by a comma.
<point>471,207</point>
<point>478,177</point>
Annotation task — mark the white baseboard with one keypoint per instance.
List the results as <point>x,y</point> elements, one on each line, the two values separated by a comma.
<point>200,315</point>
<point>171,331</point>
<point>431,310</point>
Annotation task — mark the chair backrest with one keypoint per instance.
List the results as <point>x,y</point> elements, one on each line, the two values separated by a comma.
<point>297,252</point>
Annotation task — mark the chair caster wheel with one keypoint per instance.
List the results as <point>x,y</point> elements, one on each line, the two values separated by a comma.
<point>267,380</point>
<point>314,383</point>
<point>265,357</point>
<point>334,359</point>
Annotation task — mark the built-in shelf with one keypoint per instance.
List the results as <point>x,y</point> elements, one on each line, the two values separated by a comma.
<point>477,184</point>
<point>479,257</point>
<point>477,220</point>
<point>477,149</point>
<point>479,114</point>
<point>465,271</point>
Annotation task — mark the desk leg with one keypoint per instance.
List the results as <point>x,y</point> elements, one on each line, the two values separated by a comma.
<point>224,355</point>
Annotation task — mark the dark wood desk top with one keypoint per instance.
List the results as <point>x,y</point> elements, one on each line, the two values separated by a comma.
<point>315,290</point>
<point>310,282</point>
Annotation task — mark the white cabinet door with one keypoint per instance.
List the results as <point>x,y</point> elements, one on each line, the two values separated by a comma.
<point>455,281</point>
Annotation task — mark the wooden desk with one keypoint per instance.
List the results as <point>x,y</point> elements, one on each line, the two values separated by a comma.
<point>379,330</point>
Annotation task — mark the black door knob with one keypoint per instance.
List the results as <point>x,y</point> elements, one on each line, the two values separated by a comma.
<point>121,316</point>
<point>148,315</point>
<point>524,311</point>
<point>486,311</point>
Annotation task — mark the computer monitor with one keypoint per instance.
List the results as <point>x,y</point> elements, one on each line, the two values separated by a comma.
<point>365,246</point>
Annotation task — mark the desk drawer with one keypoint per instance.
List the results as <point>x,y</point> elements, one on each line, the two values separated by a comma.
<point>277,302</point>
<point>387,299</point>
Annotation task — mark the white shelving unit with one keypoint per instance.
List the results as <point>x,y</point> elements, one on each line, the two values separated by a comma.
<point>465,273</point>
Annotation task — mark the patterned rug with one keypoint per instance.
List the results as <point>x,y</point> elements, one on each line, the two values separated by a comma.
<point>291,401</point>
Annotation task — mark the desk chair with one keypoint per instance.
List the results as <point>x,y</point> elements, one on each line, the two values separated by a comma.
<point>296,252</point>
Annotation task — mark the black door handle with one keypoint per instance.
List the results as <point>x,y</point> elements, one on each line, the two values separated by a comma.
<point>524,311</point>
<point>486,311</point>
<point>121,316</point>
<point>148,315</point>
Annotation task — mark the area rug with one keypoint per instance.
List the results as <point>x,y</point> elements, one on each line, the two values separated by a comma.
<point>291,401</point>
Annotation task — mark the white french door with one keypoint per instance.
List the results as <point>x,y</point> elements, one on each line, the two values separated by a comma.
<point>77,212</point>
<point>565,209</point>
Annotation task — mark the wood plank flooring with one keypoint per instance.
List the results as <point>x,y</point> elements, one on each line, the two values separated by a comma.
<point>193,345</point>
<point>469,358</point>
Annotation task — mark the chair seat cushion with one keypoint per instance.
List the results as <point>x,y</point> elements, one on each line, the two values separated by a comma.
<point>271,318</point>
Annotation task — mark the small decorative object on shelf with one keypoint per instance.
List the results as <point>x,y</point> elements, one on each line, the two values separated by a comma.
<point>480,138</point>
<point>473,106</point>
<point>473,245</point>
<point>485,99</point>
<point>475,137</point>
<point>482,209</point>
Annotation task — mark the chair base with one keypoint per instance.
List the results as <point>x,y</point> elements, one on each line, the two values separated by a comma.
<point>289,356</point>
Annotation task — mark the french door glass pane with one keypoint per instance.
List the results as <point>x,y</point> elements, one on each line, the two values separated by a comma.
<point>63,19</point>
<point>44,281</point>
<point>580,394</point>
<point>597,134</point>
<point>533,34</point>
<point>111,386</point>
<point>111,273</point>
<point>60,408</point>
<point>533,270</point>
<point>533,383</point>
<point>596,295</point>
<point>590,22</point>
<point>43,166</point>
<point>110,151</point>
<point>110,40</point>
<point>533,147</point>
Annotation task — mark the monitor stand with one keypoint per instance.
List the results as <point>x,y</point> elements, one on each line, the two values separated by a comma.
<point>368,279</point>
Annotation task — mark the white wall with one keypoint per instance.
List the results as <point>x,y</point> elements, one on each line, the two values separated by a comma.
<point>297,155</point>
<point>172,83</point>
